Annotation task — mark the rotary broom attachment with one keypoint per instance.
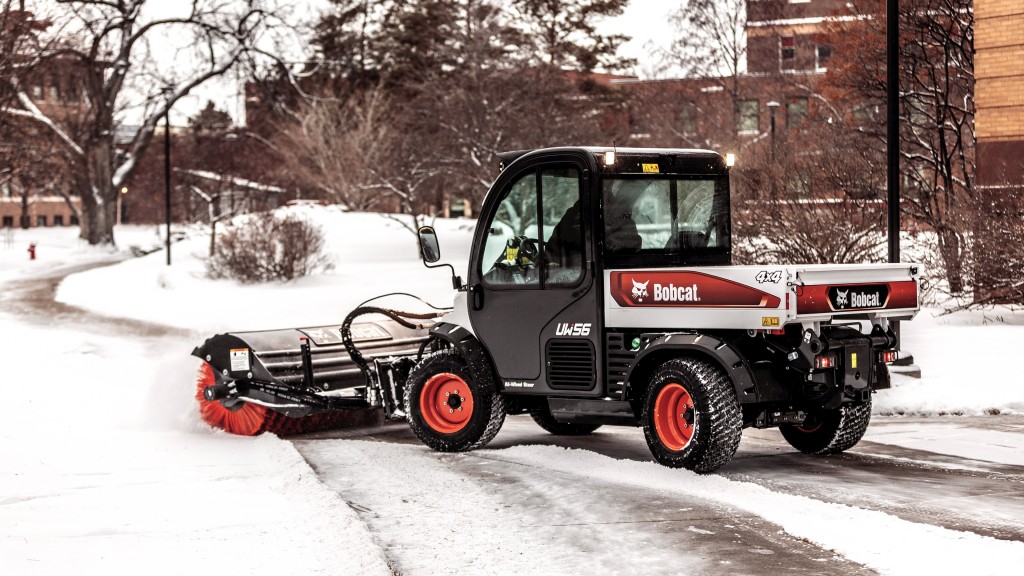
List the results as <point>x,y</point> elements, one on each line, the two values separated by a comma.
<point>303,380</point>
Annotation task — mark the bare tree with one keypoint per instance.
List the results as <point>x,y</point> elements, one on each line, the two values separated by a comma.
<point>110,46</point>
<point>937,138</point>
<point>335,146</point>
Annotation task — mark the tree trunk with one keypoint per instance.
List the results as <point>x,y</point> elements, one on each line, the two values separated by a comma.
<point>25,220</point>
<point>952,258</point>
<point>99,199</point>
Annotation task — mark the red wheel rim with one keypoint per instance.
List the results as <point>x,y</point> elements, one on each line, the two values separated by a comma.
<point>674,417</point>
<point>446,403</point>
<point>811,424</point>
<point>246,421</point>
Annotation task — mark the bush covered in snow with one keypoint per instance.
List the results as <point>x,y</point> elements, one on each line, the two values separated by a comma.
<point>268,246</point>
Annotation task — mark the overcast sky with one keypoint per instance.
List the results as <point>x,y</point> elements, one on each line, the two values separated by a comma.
<point>646,21</point>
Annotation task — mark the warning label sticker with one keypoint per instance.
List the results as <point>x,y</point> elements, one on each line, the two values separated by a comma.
<point>239,359</point>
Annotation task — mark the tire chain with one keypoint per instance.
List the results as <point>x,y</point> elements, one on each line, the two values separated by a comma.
<point>726,419</point>
<point>853,423</point>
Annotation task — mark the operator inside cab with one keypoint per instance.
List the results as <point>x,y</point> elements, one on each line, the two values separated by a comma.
<point>534,239</point>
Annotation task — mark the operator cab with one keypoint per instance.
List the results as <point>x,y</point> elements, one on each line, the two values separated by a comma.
<point>553,221</point>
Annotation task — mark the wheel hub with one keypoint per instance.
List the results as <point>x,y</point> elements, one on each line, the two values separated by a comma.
<point>675,417</point>
<point>446,403</point>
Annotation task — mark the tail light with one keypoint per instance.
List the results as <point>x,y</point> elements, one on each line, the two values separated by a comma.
<point>826,361</point>
<point>889,356</point>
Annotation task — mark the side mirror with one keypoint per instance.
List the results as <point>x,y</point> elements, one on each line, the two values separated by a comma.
<point>429,248</point>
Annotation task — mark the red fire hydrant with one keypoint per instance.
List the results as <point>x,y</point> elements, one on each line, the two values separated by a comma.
<point>32,251</point>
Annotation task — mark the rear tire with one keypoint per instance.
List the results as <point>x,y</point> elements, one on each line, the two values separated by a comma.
<point>827,432</point>
<point>449,410</point>
<point>691,416</point>
<point>542,416</point>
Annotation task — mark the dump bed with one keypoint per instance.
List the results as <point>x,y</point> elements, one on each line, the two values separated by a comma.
<point>758,297</point>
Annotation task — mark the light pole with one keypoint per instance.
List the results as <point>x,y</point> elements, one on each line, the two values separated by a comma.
<point>167,169</point>
<point>772,106</point>
<point>124,190</point>
<point>892,101</point>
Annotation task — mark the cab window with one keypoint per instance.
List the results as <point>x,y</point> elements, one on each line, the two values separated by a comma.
<point>534,239</point>
<point>664,215</point>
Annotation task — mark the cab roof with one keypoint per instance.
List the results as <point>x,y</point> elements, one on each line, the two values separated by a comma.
<point>635,160</point>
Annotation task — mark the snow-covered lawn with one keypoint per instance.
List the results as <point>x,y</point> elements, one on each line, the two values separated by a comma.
<point>106,468</point>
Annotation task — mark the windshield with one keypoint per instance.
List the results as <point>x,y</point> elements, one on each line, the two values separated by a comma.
<point>667,215</point>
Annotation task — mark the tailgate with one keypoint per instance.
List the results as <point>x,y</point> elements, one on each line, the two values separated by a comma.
<point>883,290</point>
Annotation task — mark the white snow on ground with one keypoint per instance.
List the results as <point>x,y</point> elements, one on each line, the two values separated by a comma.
<point>372,255</point>
<point>107,470</point>
<point>877,540</point>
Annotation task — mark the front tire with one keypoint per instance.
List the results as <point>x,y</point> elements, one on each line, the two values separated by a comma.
<point>449,410</point>
<point>827,432</point>
<point>691,416</point>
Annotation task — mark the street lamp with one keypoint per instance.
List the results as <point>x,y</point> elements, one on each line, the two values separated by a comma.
<point>892,37</point>
<point>772,106</point>
<point>124,190</point>
<point>167,90</point>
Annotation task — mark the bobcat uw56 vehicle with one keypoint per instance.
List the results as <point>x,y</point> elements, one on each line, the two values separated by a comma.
<point>600,290</point>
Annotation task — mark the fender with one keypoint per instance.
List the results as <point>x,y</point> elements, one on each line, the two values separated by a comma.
<point>700,345</point>
<point>477,359</point>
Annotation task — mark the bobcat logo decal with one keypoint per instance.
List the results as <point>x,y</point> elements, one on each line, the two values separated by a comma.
<point>640,290</point>
<point>842,298</point>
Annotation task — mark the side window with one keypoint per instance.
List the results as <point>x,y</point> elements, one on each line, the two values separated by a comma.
<point>535,239</point>
<point>563,235</point>
<point>511,249</point>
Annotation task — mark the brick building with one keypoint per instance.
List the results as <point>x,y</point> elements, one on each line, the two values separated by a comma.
<point>773,97</point>
<point>999,92</point>
<point>999,127</point>
<point>32,190</point>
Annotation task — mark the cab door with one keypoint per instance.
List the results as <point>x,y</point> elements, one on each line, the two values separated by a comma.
<point>533,303</point>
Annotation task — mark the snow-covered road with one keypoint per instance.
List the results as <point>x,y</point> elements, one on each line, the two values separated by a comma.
<point>604,507</point>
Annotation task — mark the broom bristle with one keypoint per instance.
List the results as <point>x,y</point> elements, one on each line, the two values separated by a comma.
<point>252,419</point>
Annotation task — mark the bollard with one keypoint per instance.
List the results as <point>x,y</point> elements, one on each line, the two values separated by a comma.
<point>32,251</point>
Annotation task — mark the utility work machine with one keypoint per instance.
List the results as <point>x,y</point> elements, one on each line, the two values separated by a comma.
<point>600,291</point>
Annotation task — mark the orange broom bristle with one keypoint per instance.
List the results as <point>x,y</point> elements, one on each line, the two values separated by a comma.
<point>252,419</point>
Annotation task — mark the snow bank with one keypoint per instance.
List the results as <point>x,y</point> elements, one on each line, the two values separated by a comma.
<point>372,254</point>
<point>967,364</point>
<point>880,541</point>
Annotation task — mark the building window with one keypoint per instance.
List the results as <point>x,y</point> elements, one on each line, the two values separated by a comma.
<point>58,220</point>
<point>796,112</point>
<point>688,119</point>
<point>748,120</point>
<point>787,52</point>
<point>41,221</point>
<point>74,220</point>
<point>8,221</point>
<point>823,54</point>
<point>53,94</point>
<point>37,91</point>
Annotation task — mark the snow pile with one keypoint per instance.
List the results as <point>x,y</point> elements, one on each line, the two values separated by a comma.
<point>880,541</point>
<point>372,254</point>
<point>966,361</point>
<point>60,248</point>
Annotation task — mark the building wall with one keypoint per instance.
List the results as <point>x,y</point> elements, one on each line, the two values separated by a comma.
<point>46,211</point>
<point>999,126</point>
<point>999,91</point>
